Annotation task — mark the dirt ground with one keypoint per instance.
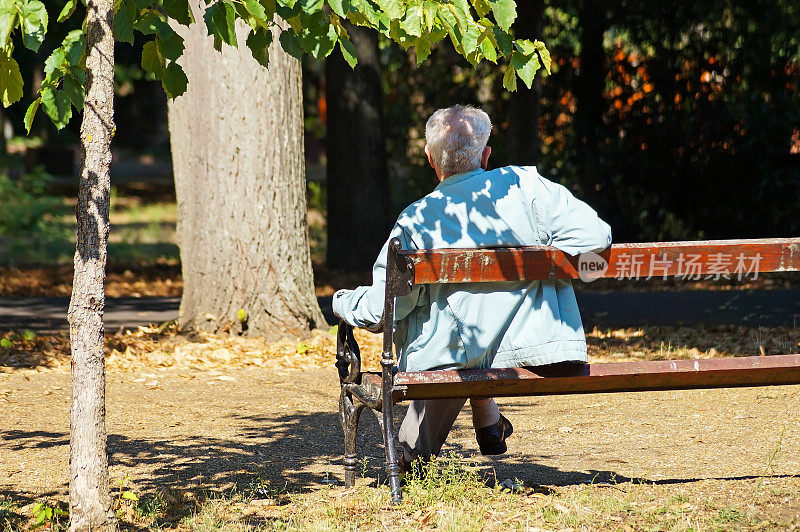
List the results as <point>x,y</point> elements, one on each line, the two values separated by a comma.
<point>211,430</point>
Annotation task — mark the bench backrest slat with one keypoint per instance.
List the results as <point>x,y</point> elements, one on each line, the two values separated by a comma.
<point>653,259</point>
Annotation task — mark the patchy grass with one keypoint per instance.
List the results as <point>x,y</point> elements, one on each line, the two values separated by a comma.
<point>454,495</point>
<point>141,232</point>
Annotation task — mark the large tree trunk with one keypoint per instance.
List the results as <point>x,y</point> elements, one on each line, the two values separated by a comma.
<point>525,105</point>
<point>358,181</point>
<point>237,152</point>
<point>89,498</point>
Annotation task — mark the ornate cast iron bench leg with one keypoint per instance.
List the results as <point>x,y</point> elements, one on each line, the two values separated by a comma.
<point>389,437</point>
<point>349,414</point>
<point>348,362</point>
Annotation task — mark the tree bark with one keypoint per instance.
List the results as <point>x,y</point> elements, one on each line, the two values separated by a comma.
<point>358,181</point>
<point>89,498</point>
<point>525,105</point>
<point>237,151</point>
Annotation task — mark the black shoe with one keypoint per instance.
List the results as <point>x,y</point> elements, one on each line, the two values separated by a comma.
<point>408,470</point>
<point>492,439</point>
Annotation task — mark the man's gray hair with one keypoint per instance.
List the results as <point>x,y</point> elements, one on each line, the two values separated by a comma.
<point>456,137</point>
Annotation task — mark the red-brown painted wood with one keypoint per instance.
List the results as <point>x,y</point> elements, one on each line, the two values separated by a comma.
<point>597,378</point>
<point>692,260</point>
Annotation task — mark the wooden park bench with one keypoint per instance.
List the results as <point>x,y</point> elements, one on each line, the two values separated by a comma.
<point>380,391</point>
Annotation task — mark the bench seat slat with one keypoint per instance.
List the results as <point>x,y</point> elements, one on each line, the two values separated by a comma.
<point>597,378</point>
<point>659,259</point>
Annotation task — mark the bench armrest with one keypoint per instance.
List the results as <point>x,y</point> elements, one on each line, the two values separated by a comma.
<point>348,355</point>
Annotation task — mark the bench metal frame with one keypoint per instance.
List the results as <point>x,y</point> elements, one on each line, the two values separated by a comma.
<point>405,269</point>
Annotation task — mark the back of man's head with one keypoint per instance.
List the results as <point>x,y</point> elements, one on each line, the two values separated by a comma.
<point>456,137</point>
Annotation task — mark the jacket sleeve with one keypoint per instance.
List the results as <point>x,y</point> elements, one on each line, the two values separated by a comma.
<point>364,305</point>
<point>573,225</point>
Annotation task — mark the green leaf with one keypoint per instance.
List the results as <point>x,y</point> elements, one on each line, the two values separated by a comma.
<point>463,6</point>
<point>123,24</point>
<point>56,105</point>
<point>174,80</point>
<point>469,39</point>
<point>269,7</point>
<point>423,47</point>
<point>319,39</point>
<point>488,49</point>
<point>258,42</point>
<point>287,12</point>
<point>527,59</point>
<point>348,51</point>
<point>171,47</point>
<point>459,14</point>
<point>74,46</point>
<point>412,22</point>
<point>510,79</point>
<point>544,55</point>
<point>363,13</point>
<point>54,62</point>
<point>243,14</point>
<point>152,60</point>
<point>310,6</point>
<point>30,114</point>
<point>28,335</point>
<point>482,7</point>
<point>505,12</point>
<point>505,43</point>
<point>340,7</point>
<point>526,66</point>
<point>10,80</point>
<point>8,20</point>
<point>219,19</point>
<point>5,342</point>
<point>255,8</point>
<point>429,10</point>
<point>290,44</point>
<point>34,24</point>
<point>393,8</point>
<point>74,90</point>
<point>129,495</point>
<point>148,23</point>
<point>179,11</point>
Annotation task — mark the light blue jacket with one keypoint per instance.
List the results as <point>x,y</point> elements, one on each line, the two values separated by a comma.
<point>482,325</point>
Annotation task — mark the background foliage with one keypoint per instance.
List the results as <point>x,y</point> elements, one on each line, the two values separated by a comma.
<point>698,129</point>
<point>697,133</point>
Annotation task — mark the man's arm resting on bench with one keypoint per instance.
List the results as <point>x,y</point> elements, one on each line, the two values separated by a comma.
<point>574,226</point>
<point>363,306</point>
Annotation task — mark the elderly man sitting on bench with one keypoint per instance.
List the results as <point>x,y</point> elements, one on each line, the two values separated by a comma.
<point>488,325</point>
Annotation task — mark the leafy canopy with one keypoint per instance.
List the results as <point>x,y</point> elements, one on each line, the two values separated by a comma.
<point>477,29</point>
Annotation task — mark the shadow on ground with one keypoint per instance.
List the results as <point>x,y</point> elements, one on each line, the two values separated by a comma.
<point>286,453</point>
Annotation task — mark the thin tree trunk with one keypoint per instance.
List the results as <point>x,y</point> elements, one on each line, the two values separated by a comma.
<point>237,151</point>
<point>90,501</point>
<point>358,181</point>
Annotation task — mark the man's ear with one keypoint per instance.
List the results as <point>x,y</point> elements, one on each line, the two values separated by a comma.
<point>487,151</point>
<point>430,158</point>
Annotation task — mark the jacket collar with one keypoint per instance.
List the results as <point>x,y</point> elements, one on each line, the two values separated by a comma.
<point>457,178</point>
